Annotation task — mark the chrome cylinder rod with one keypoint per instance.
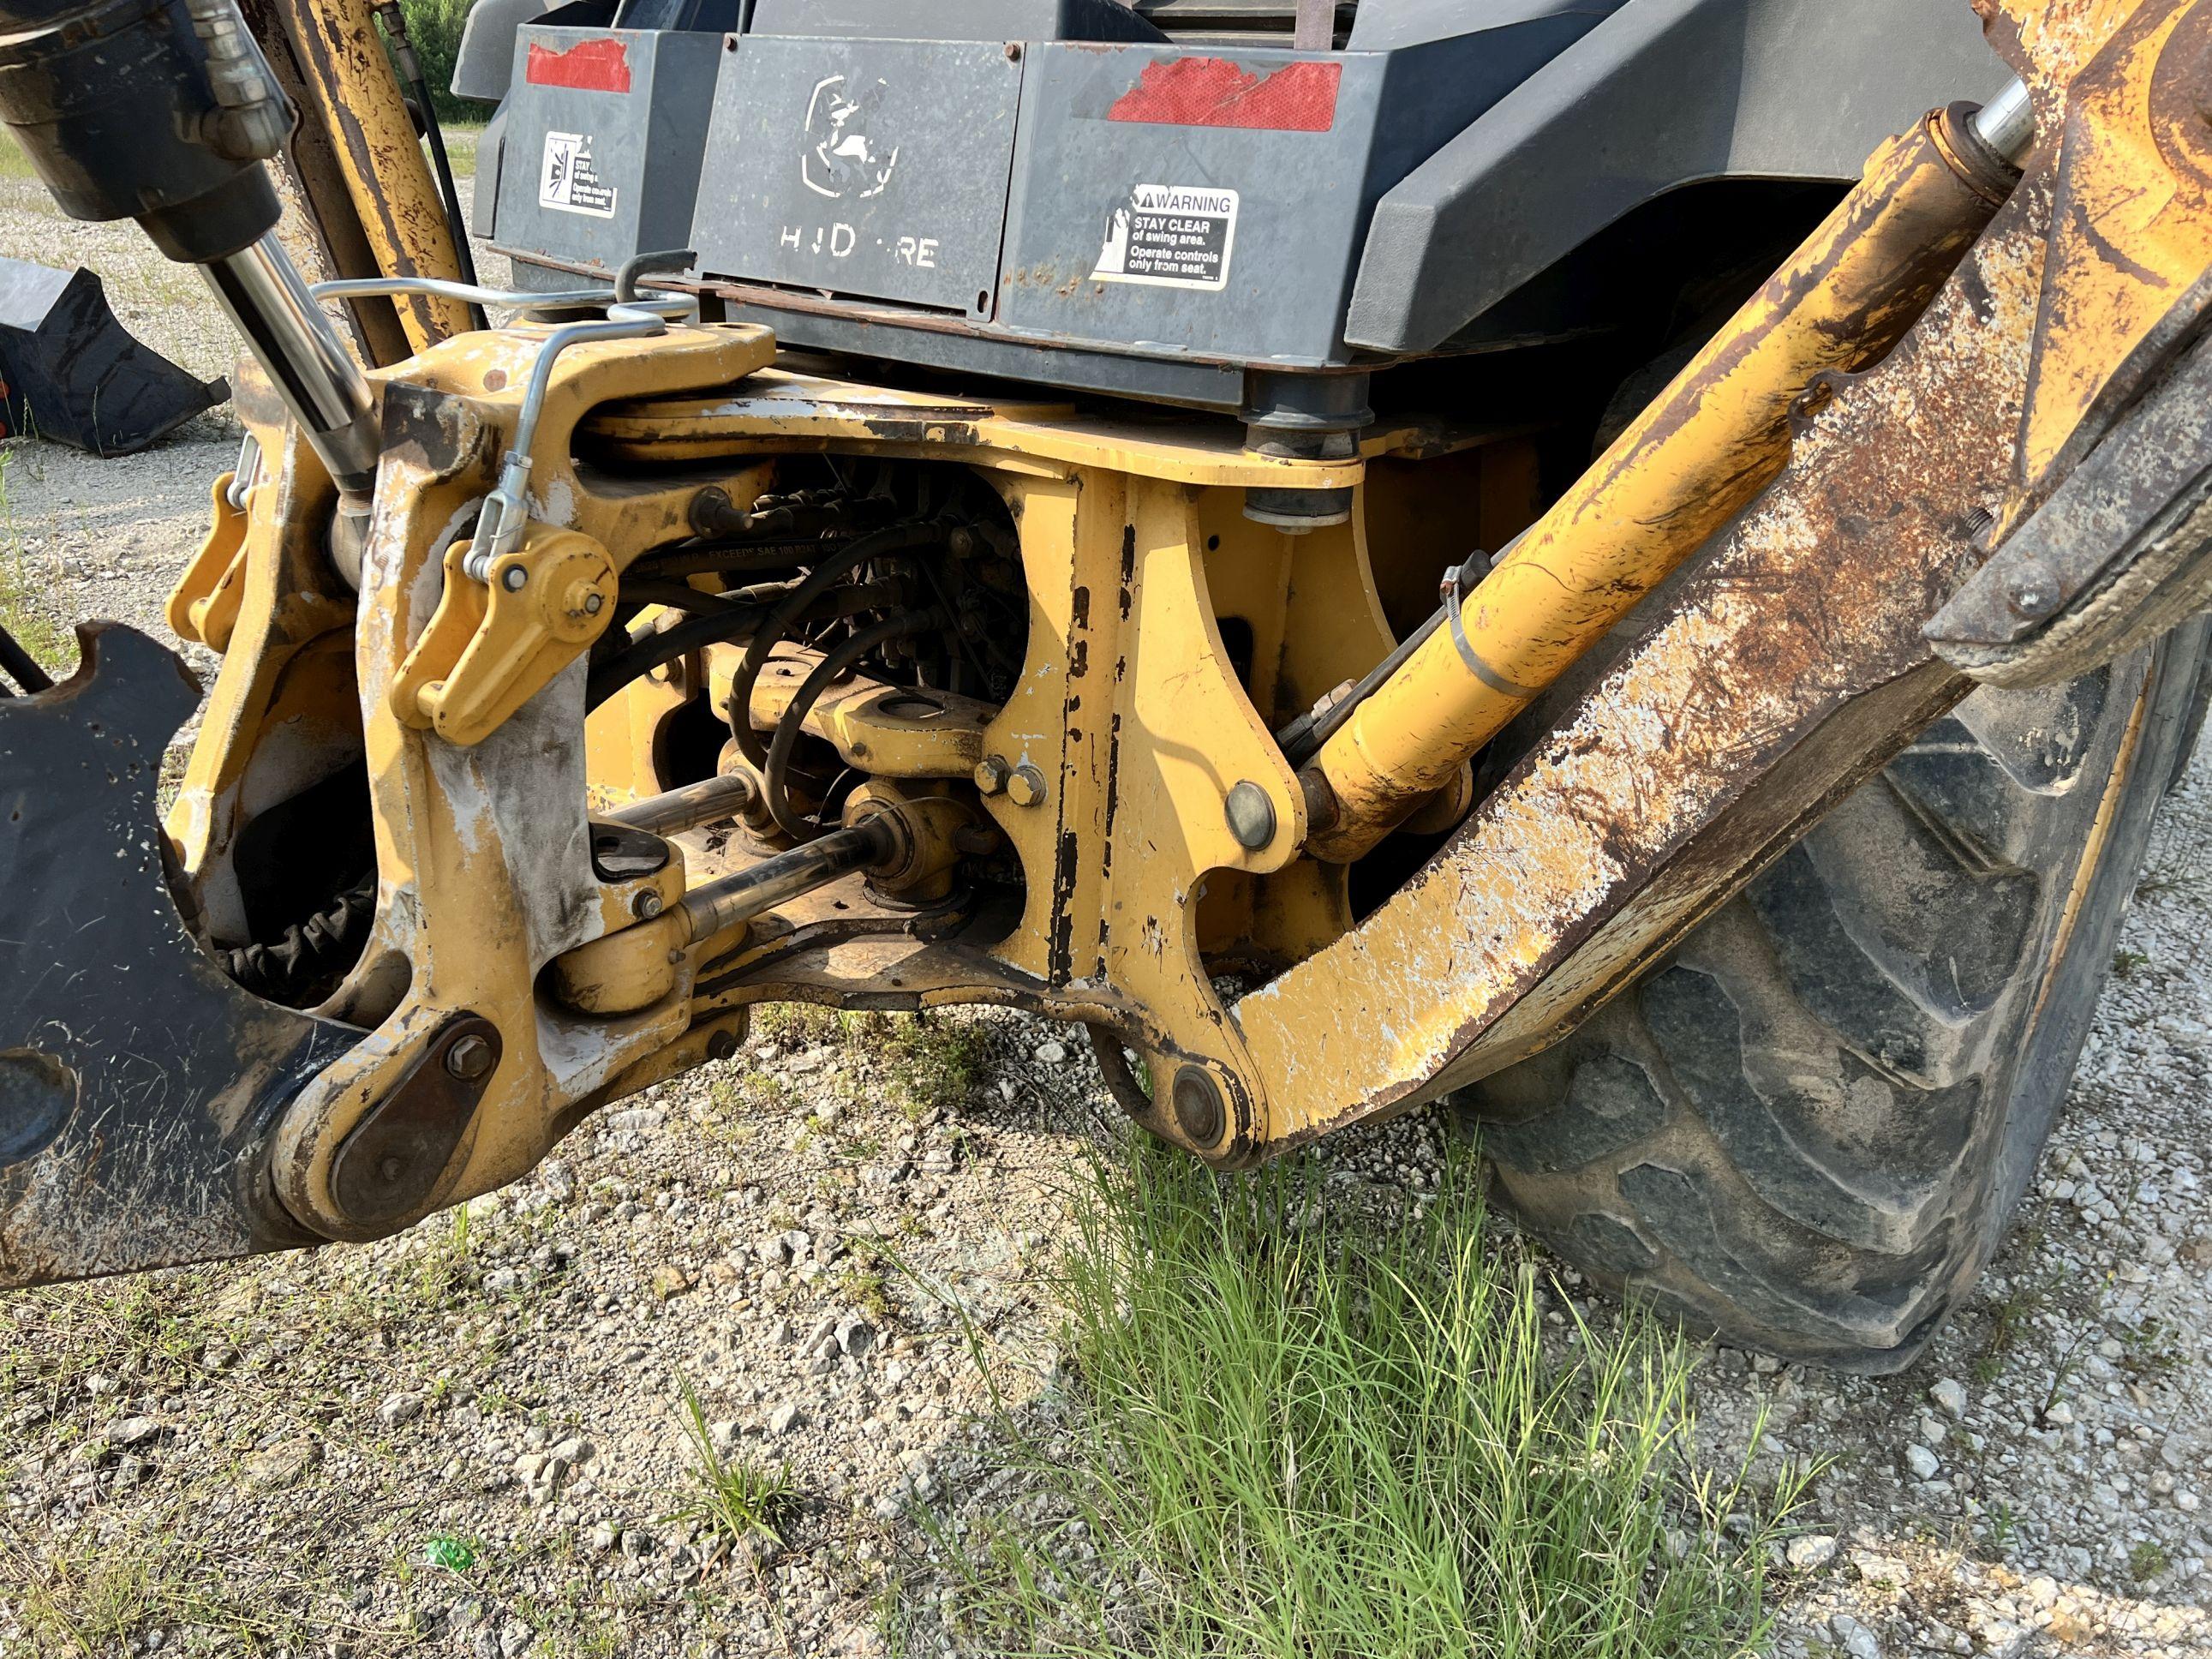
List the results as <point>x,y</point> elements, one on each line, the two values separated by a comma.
<point>739,897</point>
<point>729,796</point>
<point>2007,123</point>
<point>268,303</point>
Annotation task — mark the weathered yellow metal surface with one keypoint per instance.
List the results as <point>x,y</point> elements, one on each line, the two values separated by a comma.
<point>204,605</point>
<point>883,731</point>
<point>1132,716</point>
<point>281,714</point>
<point>1782,671</point>
<point>483,879</point>
<point>493,645</point>
<point>355,99</point>
<point>1169,638</point>
<point>1706,446</point>
<point>2131,233</point>
<point>786,412</point>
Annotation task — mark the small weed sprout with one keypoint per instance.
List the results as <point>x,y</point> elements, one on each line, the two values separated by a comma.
<point>730,1495</point>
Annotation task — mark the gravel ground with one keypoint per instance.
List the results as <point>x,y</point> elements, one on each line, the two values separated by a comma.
<point>473,1439</point>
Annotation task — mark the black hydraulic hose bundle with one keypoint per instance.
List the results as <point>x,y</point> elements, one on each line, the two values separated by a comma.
<point>839,660</point>
<point>767,614</point>
<point>898,539</point>
<point>658,648</point>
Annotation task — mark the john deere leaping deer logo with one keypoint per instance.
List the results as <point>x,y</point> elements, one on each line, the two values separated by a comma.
<point>842,156</point>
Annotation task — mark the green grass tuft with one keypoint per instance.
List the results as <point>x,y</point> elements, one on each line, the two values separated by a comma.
<point>53,647</point>
<point>1312,1434</point>
<point>731,1495</point>
<point>931,1062</point>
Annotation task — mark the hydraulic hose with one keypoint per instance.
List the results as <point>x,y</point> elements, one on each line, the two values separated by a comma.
<point>897,538</point>
<point>723,617</point>
<point>665,645</point>
<point>839,659</point>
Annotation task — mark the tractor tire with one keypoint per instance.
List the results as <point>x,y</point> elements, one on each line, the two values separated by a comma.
<point>1806,1128</point>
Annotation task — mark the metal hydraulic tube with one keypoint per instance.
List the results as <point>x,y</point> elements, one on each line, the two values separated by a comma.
<point>747,893</point>
<point>1694,457</point>
<point>636,968</point>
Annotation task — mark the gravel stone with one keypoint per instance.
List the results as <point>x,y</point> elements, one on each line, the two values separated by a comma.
<point>399,1408</point>
<point>1812,1551</point>
<point>1857,1639</point>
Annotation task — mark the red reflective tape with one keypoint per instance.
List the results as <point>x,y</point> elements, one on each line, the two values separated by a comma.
<point>588,66</point>
<point>1212,92</point>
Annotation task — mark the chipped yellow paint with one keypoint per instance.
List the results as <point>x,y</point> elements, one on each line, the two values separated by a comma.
<point>1129,709</point>
<point>483,878</point>
<point>354,97</point>
<point>2132,236</point>
<point>1788,664</point>
<point>785,412</point>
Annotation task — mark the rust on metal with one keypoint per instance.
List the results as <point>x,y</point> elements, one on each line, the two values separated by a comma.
<point>348,83</point>
<point>1785,667</point>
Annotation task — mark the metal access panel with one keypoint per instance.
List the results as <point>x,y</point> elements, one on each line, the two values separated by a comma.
<point>1215,203</point>
<point>875,169</point>
<point>605,131</point>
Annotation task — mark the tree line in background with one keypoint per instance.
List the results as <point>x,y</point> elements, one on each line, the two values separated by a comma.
<point>435,26</point>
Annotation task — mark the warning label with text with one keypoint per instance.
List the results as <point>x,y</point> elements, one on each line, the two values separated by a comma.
<point>1176,235</point>
<point>570,181</point>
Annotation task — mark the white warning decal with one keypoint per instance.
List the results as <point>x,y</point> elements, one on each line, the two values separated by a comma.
<point>570,181</point>
<point>1173,236</point>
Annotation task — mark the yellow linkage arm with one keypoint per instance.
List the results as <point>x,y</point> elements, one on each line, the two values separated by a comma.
<point>1703,449</point>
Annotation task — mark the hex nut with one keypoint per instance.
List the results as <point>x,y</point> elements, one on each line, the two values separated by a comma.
<point>646,905</point>
<point>1026,786</point>
<point>991,773</point>
<point>469,1058</point>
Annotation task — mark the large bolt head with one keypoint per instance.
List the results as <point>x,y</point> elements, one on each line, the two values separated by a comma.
<point>1251,816</point>
<point>991,773</point>
<point>1025,787</point>
<point>469,1059</point>
<point>2033,591</point>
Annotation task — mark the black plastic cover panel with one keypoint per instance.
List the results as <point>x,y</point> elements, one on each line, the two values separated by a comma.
<point>1662,93</point>
<point>874,168</point>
